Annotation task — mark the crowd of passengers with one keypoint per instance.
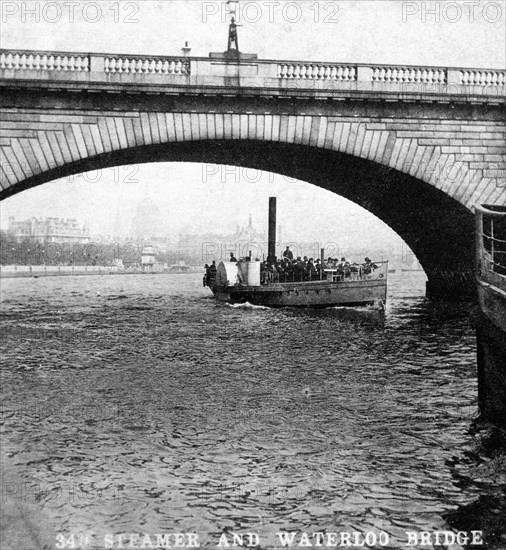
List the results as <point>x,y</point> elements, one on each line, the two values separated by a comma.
<point>289,269</point>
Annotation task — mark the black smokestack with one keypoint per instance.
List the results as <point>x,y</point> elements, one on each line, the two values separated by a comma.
<point>271,255</point>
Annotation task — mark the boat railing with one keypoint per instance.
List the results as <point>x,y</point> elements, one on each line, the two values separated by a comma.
<point>491,244</point>
<point>334,274</point>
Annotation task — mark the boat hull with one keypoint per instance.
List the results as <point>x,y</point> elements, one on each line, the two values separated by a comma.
<point>307,294</point>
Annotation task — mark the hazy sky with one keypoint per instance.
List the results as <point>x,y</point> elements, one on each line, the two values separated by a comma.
<point>467,33</point>
<point>444,33</point>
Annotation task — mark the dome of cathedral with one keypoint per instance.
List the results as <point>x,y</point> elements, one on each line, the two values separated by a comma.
<point>147,207</point>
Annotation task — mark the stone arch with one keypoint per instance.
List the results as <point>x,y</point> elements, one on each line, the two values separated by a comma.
<point>37,142</point>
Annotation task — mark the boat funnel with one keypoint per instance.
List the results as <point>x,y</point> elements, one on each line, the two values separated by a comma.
<point>271,252</point>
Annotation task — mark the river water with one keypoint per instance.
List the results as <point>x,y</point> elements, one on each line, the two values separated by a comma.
<point>139,404</point>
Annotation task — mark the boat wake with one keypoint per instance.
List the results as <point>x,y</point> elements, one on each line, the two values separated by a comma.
<point>247,305</point>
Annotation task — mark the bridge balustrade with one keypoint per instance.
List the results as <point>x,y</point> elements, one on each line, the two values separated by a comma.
<point>40,61</point>
<point>143,65</point>
<point>483,78</point>
<point>217,70</point>
<point>317,71</point>
<point>410,74</point>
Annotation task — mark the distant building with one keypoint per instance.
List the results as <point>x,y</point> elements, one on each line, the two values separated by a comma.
<point>245,239</point>
<point>149,262</point>
<point>219,245</point>
<point>50,230</point>
<point>147,223</point>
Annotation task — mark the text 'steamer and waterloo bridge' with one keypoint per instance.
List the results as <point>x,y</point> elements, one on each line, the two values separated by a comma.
<point>422,148</point>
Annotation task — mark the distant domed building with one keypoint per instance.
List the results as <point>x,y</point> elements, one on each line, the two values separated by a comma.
<point>147,223</point>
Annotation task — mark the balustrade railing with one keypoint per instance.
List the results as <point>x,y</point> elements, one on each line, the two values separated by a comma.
<point>490,79</point>
<point>313,71</point>
<point>482,78</point>
<point>153,65</point>
<point>44,61</point>
<point>417,75</point>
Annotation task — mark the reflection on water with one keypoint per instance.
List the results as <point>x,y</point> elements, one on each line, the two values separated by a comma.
<point>140,404</point>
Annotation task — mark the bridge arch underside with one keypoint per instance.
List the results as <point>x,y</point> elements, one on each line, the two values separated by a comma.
<point>437,228</point>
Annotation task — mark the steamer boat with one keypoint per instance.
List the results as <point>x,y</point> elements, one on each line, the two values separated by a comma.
<point>242,281</point>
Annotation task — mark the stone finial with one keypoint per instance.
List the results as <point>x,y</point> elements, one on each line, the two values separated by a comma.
<point>186,50</point>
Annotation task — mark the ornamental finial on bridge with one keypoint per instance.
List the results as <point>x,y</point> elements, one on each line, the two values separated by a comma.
<point>233,40</point>
<point>186,50</point>
<point>232,55</point>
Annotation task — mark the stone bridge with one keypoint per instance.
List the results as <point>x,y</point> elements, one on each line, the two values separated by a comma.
<point>416,146</point>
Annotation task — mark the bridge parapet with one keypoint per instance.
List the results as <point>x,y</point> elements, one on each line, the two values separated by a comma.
<point>320,79</point>
<point>44,61</point>
<point>147,65</point>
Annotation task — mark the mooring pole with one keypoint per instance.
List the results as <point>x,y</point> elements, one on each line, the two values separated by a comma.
<point>271,252</point>
<point>322,258</point>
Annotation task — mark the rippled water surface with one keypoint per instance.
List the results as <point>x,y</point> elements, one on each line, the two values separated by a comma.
<point>140,404</point>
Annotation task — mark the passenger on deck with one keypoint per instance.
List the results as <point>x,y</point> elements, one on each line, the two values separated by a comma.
<point>298,270</point>
<point>212,272</point>
<point>285,270</point>
<point>288,253</point>
<point>274,273</point>
<point>368,266</point>
<point>205,281</point>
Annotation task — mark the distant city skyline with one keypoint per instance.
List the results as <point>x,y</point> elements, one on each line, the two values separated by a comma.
<point>200,199</point>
